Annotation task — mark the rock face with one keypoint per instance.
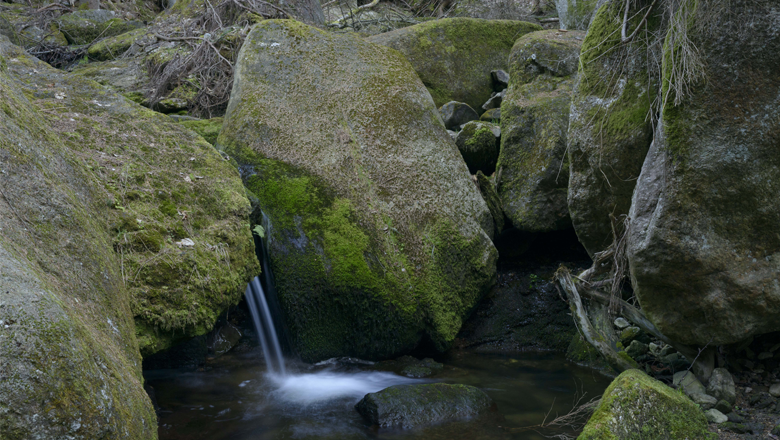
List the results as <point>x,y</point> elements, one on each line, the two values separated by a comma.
<point>410,406</point>
<point>534,172</point>
<point>577,14</point>
<point>377,232</point>
<point>454,56</point>
<point>609,128</point>
<point>703,249</point>
<point>69,361</point>
<point>638,406</point>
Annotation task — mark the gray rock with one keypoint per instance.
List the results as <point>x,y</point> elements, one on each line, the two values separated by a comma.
<point>715,416</point>
<point>478,146</point>
<point>453,134</point>
<point>576,14</point>
<point>84,27</point>
<point>721,385</point>
<point>410,406</point>
<point>224,339</point>
<point>488,192</point>
<point>337,274</point>
<point>774,390</point>
<point>689,383</point>
<point>637,349</point>
<point>455,114</point>
<point>723,406</point>
<point>492,115</point>
<point>621,323</point>
<point>494,101</point>
<point>534,123</point>
<point>724,143</point>
<point>705,401</point>
<point>629,334</point>
<point>500,79</point>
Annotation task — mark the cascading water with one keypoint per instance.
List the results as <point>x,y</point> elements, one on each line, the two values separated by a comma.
<point>264,325</point>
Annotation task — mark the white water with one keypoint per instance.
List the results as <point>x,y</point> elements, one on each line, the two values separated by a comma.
<point>306,389</point>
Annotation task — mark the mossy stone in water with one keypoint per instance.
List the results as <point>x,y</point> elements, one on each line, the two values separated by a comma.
<point>454,56</point>
<point>636,406</point>
<point>377,234</point>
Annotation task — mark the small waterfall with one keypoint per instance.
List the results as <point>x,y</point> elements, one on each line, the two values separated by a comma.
<point>264,325</point>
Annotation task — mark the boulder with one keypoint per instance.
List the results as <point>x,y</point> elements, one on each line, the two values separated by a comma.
<point>208,128</point>
<point>636,349</point>
<point>488,192</point>
<point>688,382</point>
<point>493,115</point>
<point>69,360</point>
<point>705,401</point>
<point>18,23</point>
<point>454,57</point>
<point>703,249</point>
<point>478,145</point>
<point>126,76</point>
<point>534,172</point>
<point>454,114</point>
<point>377,232</point>
<point>721,386</point>
<point>115,46</point>
<point>715,416</point>
<point>494,101</point>
<point>577,14</point>
<point>411,406</point>
<point>84,27</point>
<point>609,127</point>
<point>500,80</point>
<point>635,403</point>
<point>224,339</point>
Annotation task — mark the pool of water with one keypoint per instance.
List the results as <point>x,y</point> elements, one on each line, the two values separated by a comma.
<point>235,399</point>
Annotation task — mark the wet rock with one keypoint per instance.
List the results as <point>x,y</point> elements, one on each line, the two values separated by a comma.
<point>410,406</point>
<point>635,403</point>
<point>454,57</point>
<point>715,416</point>
<point>721,386</point>
<point>410,366</point>
<point>454,114</point>
<point>478,146</point>
<point>224,339</point>
<point>358,261</point>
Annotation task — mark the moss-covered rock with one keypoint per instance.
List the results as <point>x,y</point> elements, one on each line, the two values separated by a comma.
<point>411,406</point>
<point>158,184</point>
<point>577,14</point>
<point>488,191</point>
<point>703,249</point>
<point>68,353</point>
<point>208,128</point>
<point>534,171</point>
<point>21,25</point>
<point>84,27</point>
<point>377,232</point>
<point>114,46</point>
<point>478,145</point>
<point>124,76</point>
<point>454,56</point>
<point>636,406</point>
<point>610,128</point>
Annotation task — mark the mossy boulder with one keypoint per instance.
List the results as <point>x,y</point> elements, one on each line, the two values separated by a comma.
<point>488,191</point>
<point>378,235</point>
<point>159,184</point>
<point>577,14</point>
<point>412,406</point>
<point>534,169</point>
<point>478,145</point>
<point>115,46</point>
<point>610,128</point>
<point>69,360</point>
<point>208,128</point>
<point>703,248</point>
<point>454,56</point>
<point>636,406</point>
<point>21,25</point>
<point>84,27</point>
<point>124,76</point>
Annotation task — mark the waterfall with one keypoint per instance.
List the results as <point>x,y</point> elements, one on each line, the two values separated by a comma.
<point>264,325</point>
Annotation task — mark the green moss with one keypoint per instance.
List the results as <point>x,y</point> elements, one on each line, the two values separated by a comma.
<point>637,407</point>
<point>114,47</point>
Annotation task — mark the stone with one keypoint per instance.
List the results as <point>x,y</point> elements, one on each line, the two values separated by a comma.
<point>715,416</point>
<point>735,418</point>
<point>478,146</point>
<point>622,324</point>
<point>774,390</point>
<point>628,334</point>
<point>636,403</point>
<point>115,46</point>
<point>705,401</point>
<point>494,101</point>
<point>500,79</point>
<point>84,27</point>
<point>493,115</point>
<point>533,166</point>
<point>20,24</point>
<point>654,348</point>
<point>762,400</point>
<point>380,239</point>
<point>776,429</point>
<point>734,260</point>
<point>576,14</point>
<point>488,192</point>
<point>224,339</point>
<point>637,349</point>
<point>723,406</point>
<point>721,385</point>
<point>454,57</point>
<point>737,428</point>
<point>208,128</point>
<point>609,127</point>
<point>454,114</point>
<point>411,406</point>
<point>689,383</point>
<point>125,76</point>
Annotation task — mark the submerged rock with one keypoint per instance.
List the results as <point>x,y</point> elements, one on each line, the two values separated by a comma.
<point>454,57</point>
<point>410,406</point>
<point>534,172</point>
<point>378,235</point>
<point>636,403</point>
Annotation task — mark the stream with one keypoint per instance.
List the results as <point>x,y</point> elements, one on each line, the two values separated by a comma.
<point>235,398</point>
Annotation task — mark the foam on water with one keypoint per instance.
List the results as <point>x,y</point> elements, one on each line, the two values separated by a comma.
<point>305,389</point>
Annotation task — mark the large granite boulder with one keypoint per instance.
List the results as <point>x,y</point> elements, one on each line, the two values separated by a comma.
<point>378,235</point>
<point>454,56</point>
<point>703,248</point>
<point>610,128</point>
<point>412,406</point>
<point>533,167</point>
<point>69,360</point>
<point>638,406</point>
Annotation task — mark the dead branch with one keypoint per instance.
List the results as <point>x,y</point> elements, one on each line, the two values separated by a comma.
<point>337,22</point>
<point>626,39</point>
